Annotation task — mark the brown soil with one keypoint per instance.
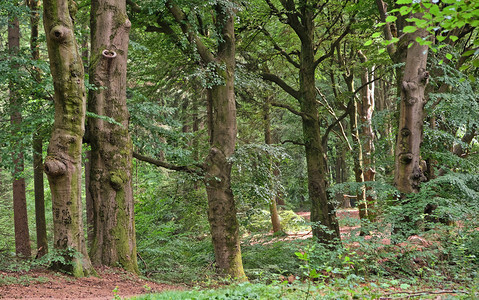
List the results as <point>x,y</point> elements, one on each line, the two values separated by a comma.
<point>43,284</point>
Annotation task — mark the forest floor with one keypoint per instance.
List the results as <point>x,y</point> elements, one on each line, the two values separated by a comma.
<point>111,282</point>
<point>45,284</point>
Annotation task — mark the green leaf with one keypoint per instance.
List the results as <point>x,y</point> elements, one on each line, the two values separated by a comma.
<point>409,29</point>
<point>453,38</point>
<point>434,10</point>
<point>449,56</point>
<point>391,19</point>
<point>440,38</point>
<point>469,52</point>
<point>404,1</point>
<point>404,10</point>
<point>368,42</point>
<point>376,34</point>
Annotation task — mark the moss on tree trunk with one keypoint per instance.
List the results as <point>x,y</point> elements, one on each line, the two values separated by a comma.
<point>110,185</point>
<point>63,162</point>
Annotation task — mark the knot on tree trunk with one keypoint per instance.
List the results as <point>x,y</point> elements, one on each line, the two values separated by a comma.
<point>108,53</point>
<point>405,158</point>
<point>59,33</point>
<point>54,167</point>
<point>118,180</point>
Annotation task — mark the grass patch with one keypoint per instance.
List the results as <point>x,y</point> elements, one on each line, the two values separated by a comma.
<point>22,280</point>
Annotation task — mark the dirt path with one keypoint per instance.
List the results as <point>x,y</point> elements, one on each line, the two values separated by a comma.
<point>50,285</point>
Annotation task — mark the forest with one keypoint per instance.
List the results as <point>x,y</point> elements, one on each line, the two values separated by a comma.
<point>224,149</point>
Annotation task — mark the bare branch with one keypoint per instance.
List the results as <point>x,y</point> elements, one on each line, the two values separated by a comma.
<point>324,138</point>
<point>287,88</point>
<point>293,142</point>
<point>298,113</point>
<point>163,164</point>
<point>333,46</point>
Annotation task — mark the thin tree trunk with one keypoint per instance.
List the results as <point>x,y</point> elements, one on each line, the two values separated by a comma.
<point>358,164</point>
<point>275,220</point>
<point>63,162</point>
<point>366,109</point>
<point>41,226</point>
<point>22,237</point>
<point>114,241</point>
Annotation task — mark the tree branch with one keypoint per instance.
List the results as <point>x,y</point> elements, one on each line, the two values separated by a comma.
<point>181,19</point>
<point>298,113</point>
<point>388,32</point>
<point>281,50</point>
<point>324,138</point>
<point>275,79</point>
<point>275,11</point>
<point>333,46</point>
<point>292,142</point>
<point>169,166</point>
<point>134,6</point>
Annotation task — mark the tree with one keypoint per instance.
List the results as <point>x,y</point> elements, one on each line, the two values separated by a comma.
<point>268,140</point>
<point>22,236</point>
<point>110,185</point>
<point>302,17</point>
<point>63,162</point>
<point>41,227</point>
<point>413,79</point>
<point>219,63</point>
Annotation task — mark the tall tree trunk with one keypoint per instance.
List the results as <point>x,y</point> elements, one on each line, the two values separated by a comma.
<point>22,237</point>
<point>40,221</point>
<point>323,216</point>
<point>221,204</point>
<point>114,241</point>
<point>409,173</point>
<point>358,164</point>
<point>63,162</point>
<point>366,108</point>
<point>275,220</point>
<point>357,153</point>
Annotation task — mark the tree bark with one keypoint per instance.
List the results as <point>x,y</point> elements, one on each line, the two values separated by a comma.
<point>221,204</point>
<point>366,109</point>
<point>40,221</point>
<point>357,153</point>
<point>22,237</point>
<point>63,162</point>
<point>110,186</point>
<point>409,173</point>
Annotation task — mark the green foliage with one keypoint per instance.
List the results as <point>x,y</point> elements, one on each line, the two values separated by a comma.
<point>240,291</point>
<point>259,220</point>
<point>256,175</point>
<point>24,280</point>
